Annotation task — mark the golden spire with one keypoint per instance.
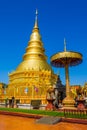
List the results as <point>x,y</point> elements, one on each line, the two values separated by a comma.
<point>35,36</point>
<point>34,57</point>
<point>36,19</point>
<point>64,44</point>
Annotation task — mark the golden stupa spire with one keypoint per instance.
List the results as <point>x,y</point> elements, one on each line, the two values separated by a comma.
<point>36,19</point>
<point>34,57</point>
<point>35,36</point>
<point>64,44</point>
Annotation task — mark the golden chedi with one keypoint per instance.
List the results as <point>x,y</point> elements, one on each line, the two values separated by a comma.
<point>34,75</point>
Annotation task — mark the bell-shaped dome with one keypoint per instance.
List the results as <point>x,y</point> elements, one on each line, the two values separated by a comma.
<point>33,65</point>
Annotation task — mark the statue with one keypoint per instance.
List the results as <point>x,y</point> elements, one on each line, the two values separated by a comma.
<point>56,98</point>
<point>50,97</point>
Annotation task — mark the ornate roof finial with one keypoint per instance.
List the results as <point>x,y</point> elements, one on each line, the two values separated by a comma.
<point>36,12</point>
<point>36,19</point>
<point>64,44</point>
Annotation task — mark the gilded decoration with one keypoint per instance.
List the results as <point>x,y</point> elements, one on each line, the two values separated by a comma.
<point>66,59</point>
<point>34,75</point>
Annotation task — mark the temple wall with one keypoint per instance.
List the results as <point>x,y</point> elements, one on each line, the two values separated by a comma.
<point>29,85</point>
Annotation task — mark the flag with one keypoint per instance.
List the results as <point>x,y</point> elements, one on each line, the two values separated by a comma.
<point>26,90</point>
<point>4,91</point>
<point>36,89</point>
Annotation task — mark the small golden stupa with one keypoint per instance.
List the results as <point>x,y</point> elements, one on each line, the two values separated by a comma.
<point>34,75</point>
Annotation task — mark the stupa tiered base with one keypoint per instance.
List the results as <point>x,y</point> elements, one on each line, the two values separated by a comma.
<point>68,102</point>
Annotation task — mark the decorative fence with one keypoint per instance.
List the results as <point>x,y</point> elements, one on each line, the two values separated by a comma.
<point>75,113</point>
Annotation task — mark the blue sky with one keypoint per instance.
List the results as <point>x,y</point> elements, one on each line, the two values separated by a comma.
<point>57,19</point>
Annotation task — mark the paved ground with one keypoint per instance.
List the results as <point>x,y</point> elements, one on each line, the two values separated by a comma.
<point>20,123</point>
<point>48,120</point>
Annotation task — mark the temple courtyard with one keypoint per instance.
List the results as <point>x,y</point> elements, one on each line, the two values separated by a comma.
<point>23,123</point>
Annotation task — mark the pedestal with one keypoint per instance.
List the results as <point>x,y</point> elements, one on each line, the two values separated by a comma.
<point>68,102</point>
<point>80,105</point>
<point>50,105</point>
